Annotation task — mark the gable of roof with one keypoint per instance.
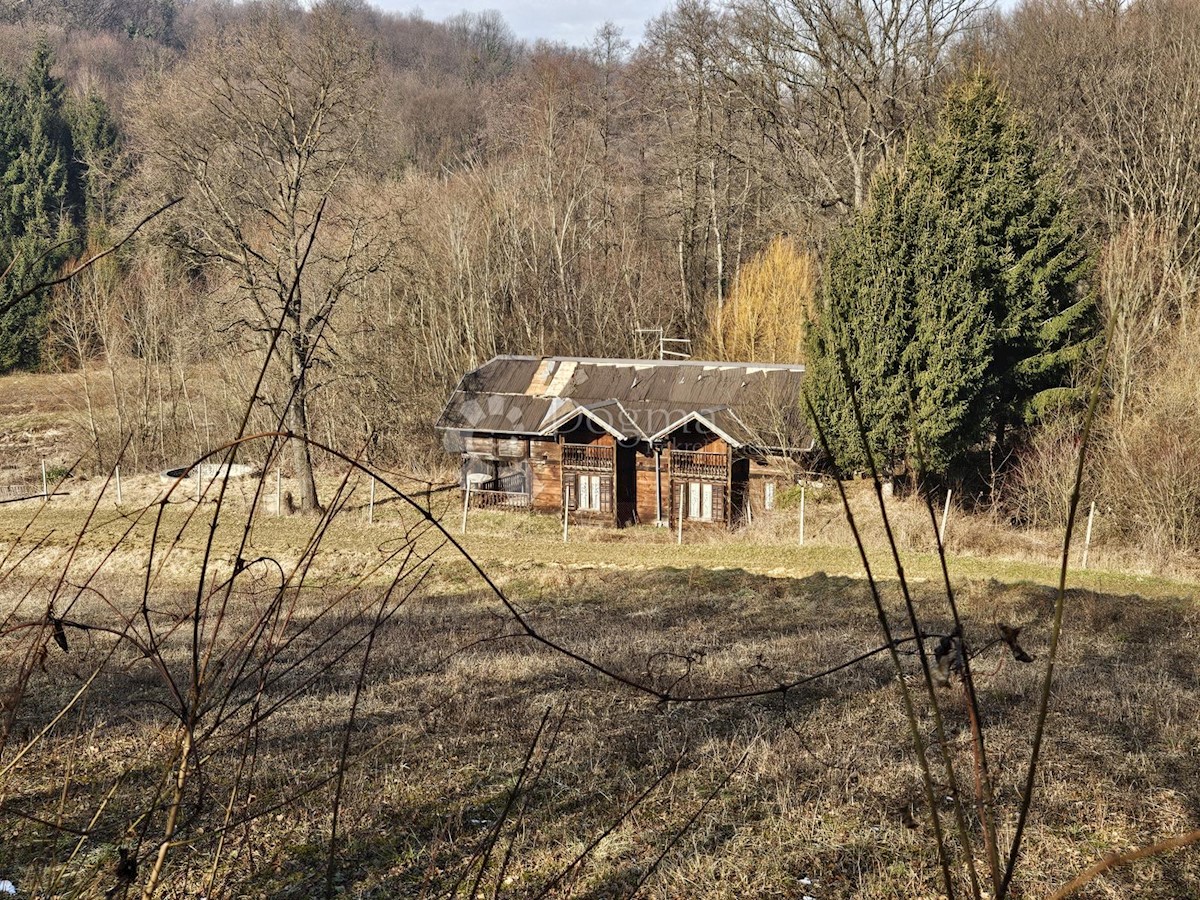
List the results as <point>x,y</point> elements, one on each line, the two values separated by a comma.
<point>632,399</point>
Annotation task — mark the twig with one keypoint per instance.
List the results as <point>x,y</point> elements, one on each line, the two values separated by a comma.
<point>687,826</point>
<point>1056,631</point>
<point>1120,859</point>
<point>42,285</point>
<point>906,697</point>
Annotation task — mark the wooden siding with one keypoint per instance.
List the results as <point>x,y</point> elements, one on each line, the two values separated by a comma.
<point>687,467</point>
<point>627,486</point>
<point>764,471</point>
<point>630,491</point>
<point>545,459</point>
<point>488,446</point>
<point>647,509</point>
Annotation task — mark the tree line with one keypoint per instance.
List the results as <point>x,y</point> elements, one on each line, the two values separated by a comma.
<point>940,199</point>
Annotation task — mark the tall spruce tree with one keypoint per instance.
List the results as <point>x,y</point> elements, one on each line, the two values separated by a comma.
<point>951,300</point>
<point>42,216</point>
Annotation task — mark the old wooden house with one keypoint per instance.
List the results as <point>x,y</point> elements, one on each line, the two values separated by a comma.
<point>626,441</point>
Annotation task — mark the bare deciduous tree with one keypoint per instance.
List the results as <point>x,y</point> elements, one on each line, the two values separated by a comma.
<point>838,82</point>
<point>264,127</point>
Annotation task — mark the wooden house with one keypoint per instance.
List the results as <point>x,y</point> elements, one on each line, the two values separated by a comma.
<point>624,441</point>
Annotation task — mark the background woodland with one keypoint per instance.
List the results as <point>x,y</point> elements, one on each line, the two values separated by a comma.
<point>382,202</point>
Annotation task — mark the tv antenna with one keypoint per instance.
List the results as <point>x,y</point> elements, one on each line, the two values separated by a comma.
<point>663,340</point>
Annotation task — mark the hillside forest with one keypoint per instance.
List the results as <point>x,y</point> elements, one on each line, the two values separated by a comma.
<point>957,216</point>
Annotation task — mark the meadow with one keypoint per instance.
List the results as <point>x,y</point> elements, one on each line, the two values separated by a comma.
<point>326,707</point>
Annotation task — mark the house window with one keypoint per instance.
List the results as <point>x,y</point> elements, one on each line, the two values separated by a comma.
<point>589,492</point>
<point>593,493</point>
<point>700,501</point>
<point>769,495</point>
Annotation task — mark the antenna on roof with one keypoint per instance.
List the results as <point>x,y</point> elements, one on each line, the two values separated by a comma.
<point>663,352</point>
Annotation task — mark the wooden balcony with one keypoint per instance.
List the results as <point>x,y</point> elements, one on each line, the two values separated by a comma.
<point>588,457</point>
<point>689,464</point>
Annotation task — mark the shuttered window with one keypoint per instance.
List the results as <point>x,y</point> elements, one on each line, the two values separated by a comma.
<point>591,493</point>
<point>700,501</point>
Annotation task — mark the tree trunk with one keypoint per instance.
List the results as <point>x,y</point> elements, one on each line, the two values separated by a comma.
<point>298,425</point>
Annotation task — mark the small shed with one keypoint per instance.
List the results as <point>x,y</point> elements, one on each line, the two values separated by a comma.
<point>624,441</point>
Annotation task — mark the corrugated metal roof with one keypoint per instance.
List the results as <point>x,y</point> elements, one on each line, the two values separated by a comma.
<point>634,399</point>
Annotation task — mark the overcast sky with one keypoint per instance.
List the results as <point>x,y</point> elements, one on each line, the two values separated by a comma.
<point>570,21</point>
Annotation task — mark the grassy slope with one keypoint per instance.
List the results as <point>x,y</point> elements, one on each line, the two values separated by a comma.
<point>822,800</point>
<point>826,789</point>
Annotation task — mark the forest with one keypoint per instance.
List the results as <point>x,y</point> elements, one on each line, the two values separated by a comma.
<point>962,215</point>
<point>283,231</point>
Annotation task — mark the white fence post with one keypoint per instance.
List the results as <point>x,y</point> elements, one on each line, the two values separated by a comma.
<point>278,492</point>
<point>679,517</point>
<point>466,504</point>
<point>371,505</point>
<point>945,513</point>
<point>117,473</point>
<point>1087,538</point>
<point>801,515</point>
<point>45,483</point>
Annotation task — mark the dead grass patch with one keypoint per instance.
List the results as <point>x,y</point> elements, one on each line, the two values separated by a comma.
<point>810,792</point>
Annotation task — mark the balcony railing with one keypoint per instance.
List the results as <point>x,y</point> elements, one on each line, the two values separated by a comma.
<point>485,499</point>
<point>699,464</point>
<point>588,457</point>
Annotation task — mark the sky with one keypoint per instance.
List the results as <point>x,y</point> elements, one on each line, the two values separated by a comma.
<point>570,21</point>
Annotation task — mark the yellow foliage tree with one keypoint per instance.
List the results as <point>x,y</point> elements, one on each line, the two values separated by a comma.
<point>765,317</point>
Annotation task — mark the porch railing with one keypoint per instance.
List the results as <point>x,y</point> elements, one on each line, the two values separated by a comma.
<point>588,457</point>
<point>488,499</point>
<point>699,464</point>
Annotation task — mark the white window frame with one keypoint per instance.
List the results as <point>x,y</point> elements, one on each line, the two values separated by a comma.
<point>588,493</point>
<point>700,501</point>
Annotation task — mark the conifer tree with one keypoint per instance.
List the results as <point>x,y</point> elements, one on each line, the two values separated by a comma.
<point>951,301</point>
<point>42,216</point>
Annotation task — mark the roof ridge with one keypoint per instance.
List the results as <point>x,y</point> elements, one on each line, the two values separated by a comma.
<point>665,363</point>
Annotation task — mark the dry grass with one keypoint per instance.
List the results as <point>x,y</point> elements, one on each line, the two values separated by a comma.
<point>36,412</point>
<point>809,792</point>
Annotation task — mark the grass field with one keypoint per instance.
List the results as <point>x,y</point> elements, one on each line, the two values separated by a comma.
<point>372,676</point>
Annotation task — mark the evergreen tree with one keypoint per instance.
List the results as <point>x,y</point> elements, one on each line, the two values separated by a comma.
<point>97,150</point>
<point>42,216</point>
<point>952,298</point>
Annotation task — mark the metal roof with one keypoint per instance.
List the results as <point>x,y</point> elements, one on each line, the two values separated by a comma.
<point>632,399</point>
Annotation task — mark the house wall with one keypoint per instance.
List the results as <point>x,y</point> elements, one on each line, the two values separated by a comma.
<point>545,459</point>
<point>647,509</point>
<point>587,432</point>
<point>626,485</point>
<point>703,441</point>
<point>504,460</point>
<point>768,470</point>
<point>542,457</point>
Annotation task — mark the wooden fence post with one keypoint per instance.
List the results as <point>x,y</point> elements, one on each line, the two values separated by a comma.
<point>466,504</point>
<point>278,493</point>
